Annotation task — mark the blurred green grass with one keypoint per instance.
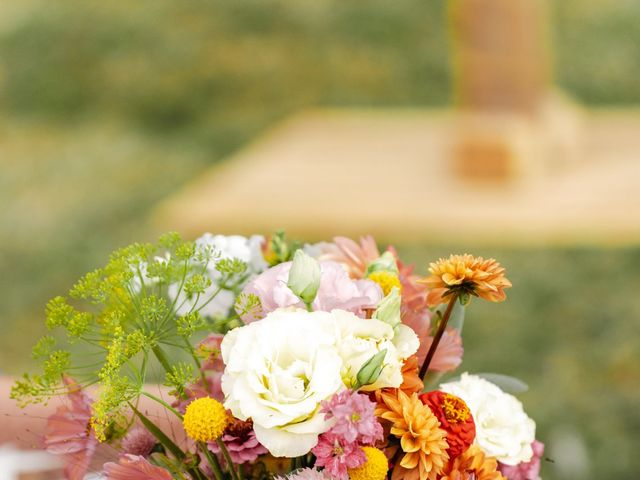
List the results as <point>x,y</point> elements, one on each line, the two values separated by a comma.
<point>108,107</point>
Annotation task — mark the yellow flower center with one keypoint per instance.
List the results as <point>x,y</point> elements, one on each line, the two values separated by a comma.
<point>455,410</point>
<point>386,280</point>
<point>205,419</point>
<point>375,468</point>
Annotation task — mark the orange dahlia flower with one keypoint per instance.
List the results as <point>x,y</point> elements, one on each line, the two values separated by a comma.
<point>411,381</point>
<point>455,419</point>
<point>422,440</point>
<point>466,274</point>
<point>472,465</point>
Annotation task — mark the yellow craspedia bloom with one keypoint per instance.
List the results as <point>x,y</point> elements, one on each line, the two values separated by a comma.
<point>205,419</point>
<point>375,468</point>
<point>386,280</point>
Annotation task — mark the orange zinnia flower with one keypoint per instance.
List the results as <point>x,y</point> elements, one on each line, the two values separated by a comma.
<point>473,465</point>
<point>455,419</point>
<point>422,440</point>
<point>466,274</point>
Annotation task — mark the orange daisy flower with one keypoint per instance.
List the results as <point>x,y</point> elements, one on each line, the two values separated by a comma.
<point>473,465</point>
<point>466,274</point>
<point>422,440</point>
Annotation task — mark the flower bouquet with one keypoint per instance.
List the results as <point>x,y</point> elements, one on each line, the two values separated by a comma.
<point>310,362</point>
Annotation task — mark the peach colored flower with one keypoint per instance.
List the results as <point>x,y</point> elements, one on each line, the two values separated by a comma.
<point>352,256</point>
<point>472,465</point>
<point>69,433</point>
<point>422,440</point>
<point>411,381</point>
<point>466,274</point>
<point>132,467</point>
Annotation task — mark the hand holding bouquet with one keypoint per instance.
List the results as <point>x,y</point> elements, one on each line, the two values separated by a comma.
<point>314,362</point>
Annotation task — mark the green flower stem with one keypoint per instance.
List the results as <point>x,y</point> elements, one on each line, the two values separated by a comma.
<point>439,332</point>
<point>213,461</point>
<point>196,360</point>
<point>162,437</point>
<point>162,358</point>
<point>163,403</point>
<point>227,457</point>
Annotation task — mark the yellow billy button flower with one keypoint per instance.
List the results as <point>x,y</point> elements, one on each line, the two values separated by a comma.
<point>205,419</point>
<point>387,281</point>
<point>375,468</point>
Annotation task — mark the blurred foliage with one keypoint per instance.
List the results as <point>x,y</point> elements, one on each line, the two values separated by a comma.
<point>569,329</point>
<point>107,107</point>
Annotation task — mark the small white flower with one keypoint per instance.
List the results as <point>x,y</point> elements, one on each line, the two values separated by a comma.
<point>503,429</point>
<point>219,247</point>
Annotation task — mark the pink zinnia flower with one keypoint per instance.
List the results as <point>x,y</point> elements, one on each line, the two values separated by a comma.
<point>138,442</point>
<point>336,290</point>
<point>69,433</point>
<point>241,442</point>
<point>526,470</point>
<point>337,455</point>
<point>353,257</point>
<point>131,467</point>
<point>354,417</point>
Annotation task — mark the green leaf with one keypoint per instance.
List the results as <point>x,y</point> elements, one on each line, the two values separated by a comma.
<point>505,382</point>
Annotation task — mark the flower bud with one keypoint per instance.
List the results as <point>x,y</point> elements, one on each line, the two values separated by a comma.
<point>370,371</point>
<point>388,310</point>
<point>304,277</point>
<point>384,263</point>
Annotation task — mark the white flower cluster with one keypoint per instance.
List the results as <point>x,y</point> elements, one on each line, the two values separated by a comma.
<point>280,368</point>
<point>503,429</point>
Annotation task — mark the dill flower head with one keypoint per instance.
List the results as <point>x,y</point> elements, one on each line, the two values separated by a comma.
<point>466,275</point>
<point>375,468</point>
<point>422,440</point>
<point>387,280</point>
<point>473,465</point>
<point>205,419</point>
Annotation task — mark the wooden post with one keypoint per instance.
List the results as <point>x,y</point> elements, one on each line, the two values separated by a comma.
<point>503,89</point>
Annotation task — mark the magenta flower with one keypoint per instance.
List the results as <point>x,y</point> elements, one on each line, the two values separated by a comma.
<point>241,442</point>
<point>354,417</point>
<point>526,470</point>
<point>68,432</point>
<point>138,442</point>
<point>336,291</point>
<point>131,467</point>
<point>337,455</point>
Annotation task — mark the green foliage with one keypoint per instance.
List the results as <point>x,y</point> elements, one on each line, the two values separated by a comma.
<point>125,312</point>
<point>181,375</point>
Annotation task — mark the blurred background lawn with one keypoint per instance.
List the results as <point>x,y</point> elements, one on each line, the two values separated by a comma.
<point>108,107</point>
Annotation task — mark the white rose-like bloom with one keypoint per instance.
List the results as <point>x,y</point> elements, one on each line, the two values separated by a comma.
<point>503,429</point>
<point>245,249</point>
<point>360,339</point>
<point>278,370</point>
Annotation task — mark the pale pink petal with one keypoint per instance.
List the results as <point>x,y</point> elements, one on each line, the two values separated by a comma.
<point>131,467</point>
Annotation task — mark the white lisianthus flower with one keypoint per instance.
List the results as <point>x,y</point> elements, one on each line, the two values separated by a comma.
<point>278,370</point>
<point>219,247</point>
<point>360,339</point>
<point>503,429</point>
